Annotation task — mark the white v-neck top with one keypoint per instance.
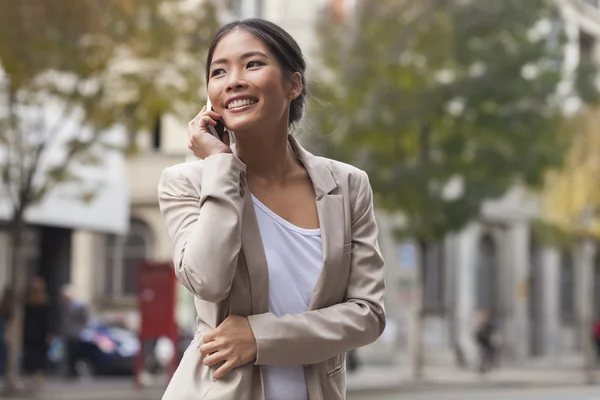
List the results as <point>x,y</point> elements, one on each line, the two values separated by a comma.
<point>295,260</point>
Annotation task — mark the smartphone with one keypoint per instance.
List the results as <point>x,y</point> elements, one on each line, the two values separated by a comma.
<point>218,130</point>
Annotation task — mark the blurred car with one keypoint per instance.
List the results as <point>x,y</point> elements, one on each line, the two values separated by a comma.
<point>106,349</point>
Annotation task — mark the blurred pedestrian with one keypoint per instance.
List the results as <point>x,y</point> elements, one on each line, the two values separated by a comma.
<point>280,247</point>
<point>487,337</point>
<point>596,334</point>
<point>352,360</point>
<point>36,332</point>
<point>74,318</point>
<point>5,313</point>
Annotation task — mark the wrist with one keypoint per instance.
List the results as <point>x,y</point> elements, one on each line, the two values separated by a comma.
<point>220,151</point>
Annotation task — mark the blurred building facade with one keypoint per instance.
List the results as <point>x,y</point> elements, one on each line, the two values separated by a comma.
<point>53,225</point>
<point>496,262</point>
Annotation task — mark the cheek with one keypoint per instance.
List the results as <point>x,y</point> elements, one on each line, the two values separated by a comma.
<point>213,91</point>
<point>276,98</point>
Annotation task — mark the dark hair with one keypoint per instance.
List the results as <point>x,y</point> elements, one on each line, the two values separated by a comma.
<point>281,43</point>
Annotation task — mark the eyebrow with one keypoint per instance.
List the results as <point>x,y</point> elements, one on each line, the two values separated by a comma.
<point>244,56</point>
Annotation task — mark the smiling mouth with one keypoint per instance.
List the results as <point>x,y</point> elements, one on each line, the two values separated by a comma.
<point>240,103</point>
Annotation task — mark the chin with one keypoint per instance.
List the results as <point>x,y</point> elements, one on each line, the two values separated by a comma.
<point>241,126</point>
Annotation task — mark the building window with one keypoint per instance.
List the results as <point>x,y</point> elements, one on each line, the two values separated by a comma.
<point>486,275</point>
<point>567,286</point>
<point>123,256</point>
<point>434,278</point>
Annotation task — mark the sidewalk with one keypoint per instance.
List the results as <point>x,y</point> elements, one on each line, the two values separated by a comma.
<point>365,380</point>
<point>372,378</point>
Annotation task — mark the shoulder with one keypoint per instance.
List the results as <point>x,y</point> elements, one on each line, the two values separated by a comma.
<point>353,184</point>
<point>182,170</point>
<point>347,175</point>
<point>180,175</point>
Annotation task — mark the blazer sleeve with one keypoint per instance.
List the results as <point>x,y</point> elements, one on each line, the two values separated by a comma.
<point>204,220</point>
<point>314,336</point>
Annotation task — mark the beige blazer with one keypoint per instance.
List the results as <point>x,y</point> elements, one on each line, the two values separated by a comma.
<point>219,256</point>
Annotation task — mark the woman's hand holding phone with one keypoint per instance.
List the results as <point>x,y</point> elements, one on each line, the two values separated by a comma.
<point>201,141</point>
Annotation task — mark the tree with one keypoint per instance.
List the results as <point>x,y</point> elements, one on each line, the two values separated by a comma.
<point>72,73</point>
<point>571,204</point>
<point>446,104</point>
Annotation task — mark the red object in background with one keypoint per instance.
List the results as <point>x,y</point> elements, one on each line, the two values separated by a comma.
<point>597,330</point>
<point>157,296</point>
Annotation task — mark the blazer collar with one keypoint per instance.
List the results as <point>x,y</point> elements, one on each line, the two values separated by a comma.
<point>320,174</point>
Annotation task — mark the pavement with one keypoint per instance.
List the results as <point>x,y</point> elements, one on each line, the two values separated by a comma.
<point>554,393</point>
<point>443,378</point>
<point>364,383</point>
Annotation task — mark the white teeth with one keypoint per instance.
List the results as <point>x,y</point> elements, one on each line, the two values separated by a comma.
<point>240,103</point>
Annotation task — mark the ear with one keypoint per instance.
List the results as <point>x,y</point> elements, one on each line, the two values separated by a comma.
<point>296,86</point>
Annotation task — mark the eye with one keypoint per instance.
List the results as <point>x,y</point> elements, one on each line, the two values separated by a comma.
<point>254,64</point>
<point>217,71</point>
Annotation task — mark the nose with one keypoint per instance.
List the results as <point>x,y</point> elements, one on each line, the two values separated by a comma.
<point>235,81</point>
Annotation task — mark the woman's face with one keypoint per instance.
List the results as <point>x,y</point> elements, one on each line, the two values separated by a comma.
<point>246,83</point>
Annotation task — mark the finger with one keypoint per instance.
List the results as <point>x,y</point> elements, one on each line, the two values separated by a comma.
<point>201,126</point>
<point>224,369</point>
<point>206,120</point>
<point>212,114</point>
<point>209,336</point>
<point>198,115</point>
<point>215,358</point>
<point>208,348</point>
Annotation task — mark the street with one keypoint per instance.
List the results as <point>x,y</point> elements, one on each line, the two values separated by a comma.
<point>567,393</point>
<point>122,390</point>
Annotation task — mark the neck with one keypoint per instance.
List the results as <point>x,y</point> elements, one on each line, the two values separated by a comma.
<point>268,156</point>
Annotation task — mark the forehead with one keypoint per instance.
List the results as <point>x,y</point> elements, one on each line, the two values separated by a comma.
<point>238,42</point>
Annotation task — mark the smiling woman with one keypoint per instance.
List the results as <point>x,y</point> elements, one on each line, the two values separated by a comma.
<point>278,246</point>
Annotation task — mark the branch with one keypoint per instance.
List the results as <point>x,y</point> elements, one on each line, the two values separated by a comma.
<point>67,110</point>
<point>64,166</point>
<point>26,188</point>
<point>11,150</point>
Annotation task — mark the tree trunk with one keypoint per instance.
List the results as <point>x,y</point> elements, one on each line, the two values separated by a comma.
<point>587,317</point>
<point>589,349</point>
<point>18,278</point>
<point>417,348</point>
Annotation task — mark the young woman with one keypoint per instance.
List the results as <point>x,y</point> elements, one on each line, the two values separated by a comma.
<point>278,246</point>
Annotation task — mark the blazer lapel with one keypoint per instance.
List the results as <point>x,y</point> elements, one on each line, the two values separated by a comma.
<point>254,255</point>
<point>330,208</point>
<point>331,218</point>
<point>256,260</point>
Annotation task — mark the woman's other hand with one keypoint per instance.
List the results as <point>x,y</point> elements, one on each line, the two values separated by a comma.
<point>232,343</point>
<point>201,142</point>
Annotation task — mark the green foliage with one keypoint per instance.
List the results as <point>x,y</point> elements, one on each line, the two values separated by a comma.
<point>73,70</point>
<point>445,103</point>
<point>551,235</point>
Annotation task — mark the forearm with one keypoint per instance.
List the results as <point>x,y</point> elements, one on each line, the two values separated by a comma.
<point>314,336</point>
<point>206,228</point>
